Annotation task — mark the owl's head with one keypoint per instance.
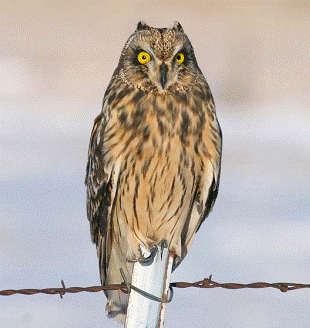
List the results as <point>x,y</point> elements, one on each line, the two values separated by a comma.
<point>158,59</point>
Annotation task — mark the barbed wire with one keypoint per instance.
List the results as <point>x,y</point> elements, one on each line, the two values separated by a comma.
<point>205,283</point>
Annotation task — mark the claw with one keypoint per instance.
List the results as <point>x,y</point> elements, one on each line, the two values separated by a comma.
<point>163,245</point>
<point>149,260</point>
<point>176,262</point>
<point>132,260</point>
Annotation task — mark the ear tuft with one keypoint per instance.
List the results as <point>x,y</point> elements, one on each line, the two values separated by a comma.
<point>177,27</point>
<point>142,26</point>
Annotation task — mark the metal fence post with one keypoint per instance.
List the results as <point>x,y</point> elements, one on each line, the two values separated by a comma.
<point>154,279</point>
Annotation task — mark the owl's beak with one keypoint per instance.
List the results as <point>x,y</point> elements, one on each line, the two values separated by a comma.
<point>163,74</point>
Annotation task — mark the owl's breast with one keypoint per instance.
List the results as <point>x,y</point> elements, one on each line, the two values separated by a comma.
<point>145,124</point>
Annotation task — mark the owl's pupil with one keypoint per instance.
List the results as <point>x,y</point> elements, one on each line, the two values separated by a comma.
<point>178,57</point>
<point>144,57</point>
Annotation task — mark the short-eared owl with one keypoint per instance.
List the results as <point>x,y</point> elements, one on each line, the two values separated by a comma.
<point>154,156</point>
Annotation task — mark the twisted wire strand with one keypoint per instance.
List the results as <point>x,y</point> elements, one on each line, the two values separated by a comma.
<point>205,283</point>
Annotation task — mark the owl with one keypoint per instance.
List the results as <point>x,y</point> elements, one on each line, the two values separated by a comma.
<point>154,157</point>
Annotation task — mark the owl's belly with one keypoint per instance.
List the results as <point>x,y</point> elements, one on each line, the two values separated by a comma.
<point>156,191</point>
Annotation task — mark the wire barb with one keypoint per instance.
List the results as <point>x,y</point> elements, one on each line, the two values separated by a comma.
<point>62,293</point>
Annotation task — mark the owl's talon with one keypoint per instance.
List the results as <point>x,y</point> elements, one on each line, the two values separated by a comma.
<point>177,261</point>
<point>163,245</point>
<point>132,260</point>
<point>149,260</point>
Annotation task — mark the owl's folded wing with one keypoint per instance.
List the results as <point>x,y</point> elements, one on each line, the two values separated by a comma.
<point>210,182</point>
<point>98,183</point>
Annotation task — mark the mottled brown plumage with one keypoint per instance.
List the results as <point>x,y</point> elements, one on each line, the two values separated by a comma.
<point>154,156</point>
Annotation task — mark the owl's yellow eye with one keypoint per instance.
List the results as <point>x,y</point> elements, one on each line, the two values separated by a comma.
<point>179,58</point>
<point>144,57</point>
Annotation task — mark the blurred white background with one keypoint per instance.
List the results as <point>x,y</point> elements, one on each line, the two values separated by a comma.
<point>56,59</point>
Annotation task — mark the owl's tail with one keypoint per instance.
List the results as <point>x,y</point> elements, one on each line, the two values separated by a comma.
<point>117,300</point>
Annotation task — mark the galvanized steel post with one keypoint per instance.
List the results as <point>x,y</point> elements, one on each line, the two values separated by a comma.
<point>154,279</point>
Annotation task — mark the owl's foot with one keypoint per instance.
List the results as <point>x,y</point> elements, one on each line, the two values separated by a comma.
<point>150,258</point>
<point>146,256</point>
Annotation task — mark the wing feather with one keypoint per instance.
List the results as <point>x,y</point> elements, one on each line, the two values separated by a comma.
<point>203,198</point>
<point>205,204</point>
<point>98,183</point>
